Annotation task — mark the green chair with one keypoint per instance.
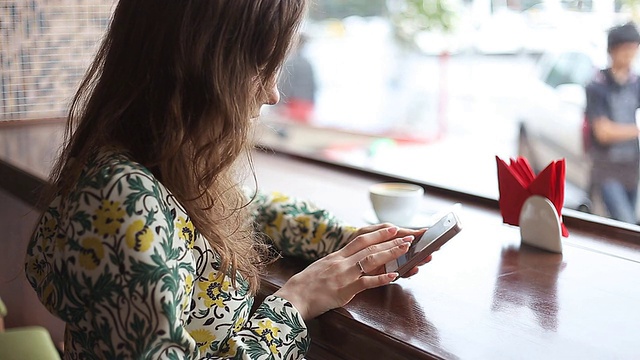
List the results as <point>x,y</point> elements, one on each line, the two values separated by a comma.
<point>25,343</point>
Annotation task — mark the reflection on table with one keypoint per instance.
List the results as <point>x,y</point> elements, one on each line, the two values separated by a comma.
<point>483,296</point>
<point>513,294</point>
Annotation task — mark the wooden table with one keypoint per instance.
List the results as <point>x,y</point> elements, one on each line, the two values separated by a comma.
<point>484,296</point>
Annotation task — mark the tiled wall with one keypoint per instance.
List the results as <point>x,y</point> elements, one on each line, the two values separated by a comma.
<point>45,48</point>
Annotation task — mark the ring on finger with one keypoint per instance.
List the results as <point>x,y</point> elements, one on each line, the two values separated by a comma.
<point>361,268</point>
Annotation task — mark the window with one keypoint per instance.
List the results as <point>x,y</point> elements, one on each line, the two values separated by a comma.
<point>434,90</point>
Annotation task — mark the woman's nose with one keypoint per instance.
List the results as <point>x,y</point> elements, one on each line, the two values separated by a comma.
<point>273,95</point>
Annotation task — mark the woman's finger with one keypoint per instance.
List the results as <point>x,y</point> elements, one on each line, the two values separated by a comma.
<point>412,272</point>
<point>365,240</point>
<point>375,259</point>
<point>370,282</point>
<point>368,229</point>
<point>385,245</point>
<point>371,228</point>
<point>417,233</point>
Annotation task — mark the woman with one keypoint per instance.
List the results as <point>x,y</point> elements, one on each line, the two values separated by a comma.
<point>147,248</point>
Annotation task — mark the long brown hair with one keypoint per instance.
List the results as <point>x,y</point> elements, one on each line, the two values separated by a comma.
<point>175,84</point>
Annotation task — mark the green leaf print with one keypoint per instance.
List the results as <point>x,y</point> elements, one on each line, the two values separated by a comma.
<point>143,275</point>
<point>255,349</point>
<point>54,212</point>
<point>83,219</point>
<point>295,324</point>
<point>139,191</point>
<point>269,313</point>
<point>172,282</point>
<point>138,325</point>
<point>105,287</point>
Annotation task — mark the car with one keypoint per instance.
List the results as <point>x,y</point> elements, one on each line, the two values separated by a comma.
<point>550,125</point>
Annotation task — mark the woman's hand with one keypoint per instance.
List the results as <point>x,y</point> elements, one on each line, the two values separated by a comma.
<point>334,280</point>
<point>401,233</point>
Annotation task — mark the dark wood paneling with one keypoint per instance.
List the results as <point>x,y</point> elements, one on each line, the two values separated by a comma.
<point>21,184</point>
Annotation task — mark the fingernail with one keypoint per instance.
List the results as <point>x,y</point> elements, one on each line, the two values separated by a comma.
<point>404,246</point>
<point>408,238</point>
<point>392,230</point>
<point>392,275</point>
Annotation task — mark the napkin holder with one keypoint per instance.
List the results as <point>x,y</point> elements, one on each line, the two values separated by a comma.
<point>540,224</point>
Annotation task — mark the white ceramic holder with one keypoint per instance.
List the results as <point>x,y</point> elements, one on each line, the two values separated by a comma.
<point>540,224</point>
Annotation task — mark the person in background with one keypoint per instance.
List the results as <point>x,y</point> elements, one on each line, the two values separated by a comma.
<point>613,97</point>
<point>149,248</point>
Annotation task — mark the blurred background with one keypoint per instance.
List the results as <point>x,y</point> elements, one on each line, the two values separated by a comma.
<point>433,90</point>
<point>427,90</point>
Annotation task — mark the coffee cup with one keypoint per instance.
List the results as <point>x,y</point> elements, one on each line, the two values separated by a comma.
<point>396,203</point>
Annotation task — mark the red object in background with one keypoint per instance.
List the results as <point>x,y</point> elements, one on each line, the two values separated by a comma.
<point>517,181</point>
<point>298,110</point>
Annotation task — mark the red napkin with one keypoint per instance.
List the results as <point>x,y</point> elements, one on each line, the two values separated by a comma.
<point>517,181</point>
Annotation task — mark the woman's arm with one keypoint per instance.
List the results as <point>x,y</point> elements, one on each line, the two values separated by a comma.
<point>113,265</point>
<point>297,227</point>
<point>105,261</point>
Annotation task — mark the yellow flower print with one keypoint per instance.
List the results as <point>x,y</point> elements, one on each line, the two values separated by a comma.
<point>277,223</point>
<point>274,349</point>
<point>267,330</point>
<point>219,302</point>
<point>186,231</point>
<point>273,228</point>
<point>213,290</point>
<point>187,291</point>
<point>237,326</point>
<point>91,253</point>
<point>279,197</point>
<point>305,223</point>
<point>230,348</point>
<point>60,242</point>
<point>139,236</point>
<point>320,230</point>
<point>203,338</point>
<point>108,217</point>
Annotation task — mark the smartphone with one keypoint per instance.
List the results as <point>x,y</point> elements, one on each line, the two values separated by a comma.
<point>432,239</point>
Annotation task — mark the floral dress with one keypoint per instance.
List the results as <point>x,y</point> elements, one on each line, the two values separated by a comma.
<point>121,263</point>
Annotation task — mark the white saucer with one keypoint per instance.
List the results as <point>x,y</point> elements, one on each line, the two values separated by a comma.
<point>421,220</point>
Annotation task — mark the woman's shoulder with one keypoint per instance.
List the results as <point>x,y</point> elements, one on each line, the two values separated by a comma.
<point>112,194</point>
<point>109,163</point>
<point>112,167</point>
<point>110,177</point>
